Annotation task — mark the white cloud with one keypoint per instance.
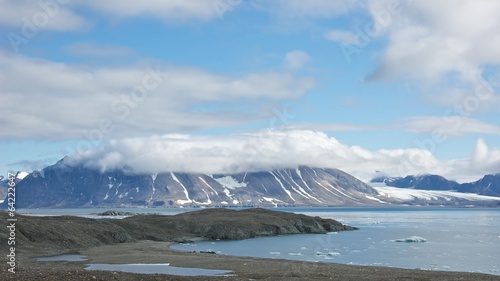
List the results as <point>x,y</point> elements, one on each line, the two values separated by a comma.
<point>295,60</point>
<point>271,149</point>
<point>452,125</point>
<point>62,101</point>
<point>32,16</point>
<point>58,15</point>
<point>482,161</point>
<point>445,44</point>
<point>265,150</point>
<point>168,10</point>
<point>343,37</point>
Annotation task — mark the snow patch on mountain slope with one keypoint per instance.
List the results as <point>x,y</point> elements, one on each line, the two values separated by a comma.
<point>110,185</point>
<point>205,182</point>
<point>227,192</point>
<point>230,182</point>
<point>273,201</point>
<point>376,199</point>
<point>300,175</point>
<point>22,175</point>
<point>209,201</point>
<point>339,191</point>
<point>180,201</point>
<point>301,190</point>
<point>280,174</point>
<point>282,186</point>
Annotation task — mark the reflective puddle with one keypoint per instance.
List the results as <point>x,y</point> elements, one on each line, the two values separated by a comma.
<point>164,268</point>
<point>141,268</point>
<point>63,258</point>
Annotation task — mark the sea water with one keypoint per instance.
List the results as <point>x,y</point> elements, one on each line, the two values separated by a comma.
<point>417,238</point>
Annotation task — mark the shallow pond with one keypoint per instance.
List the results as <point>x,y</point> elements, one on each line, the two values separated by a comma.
<point>143,268</point>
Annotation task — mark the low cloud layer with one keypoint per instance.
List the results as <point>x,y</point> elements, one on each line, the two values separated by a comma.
<point>450,126</point>
<point>270,149</point>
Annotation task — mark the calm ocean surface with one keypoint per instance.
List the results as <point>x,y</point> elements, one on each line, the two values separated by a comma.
<point>457,239</point>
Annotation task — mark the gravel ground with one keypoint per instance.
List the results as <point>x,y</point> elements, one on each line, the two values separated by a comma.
<point>243,268</point>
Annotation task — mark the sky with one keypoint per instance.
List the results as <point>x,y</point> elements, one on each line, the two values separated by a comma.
<point>397,87</point>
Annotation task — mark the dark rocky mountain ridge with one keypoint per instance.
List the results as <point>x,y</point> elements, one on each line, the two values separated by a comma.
<point>67,186</point>
<point>489,185</point>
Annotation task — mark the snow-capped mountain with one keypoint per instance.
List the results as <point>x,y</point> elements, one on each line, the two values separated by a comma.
<point>489,185</point>
<point>423,182</point>
<point>63,185</point>
<point>4,181</point>
<point>409,196</point>
<point>20,175</point>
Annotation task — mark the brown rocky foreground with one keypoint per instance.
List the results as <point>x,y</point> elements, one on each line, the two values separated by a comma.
<point>146,239</point>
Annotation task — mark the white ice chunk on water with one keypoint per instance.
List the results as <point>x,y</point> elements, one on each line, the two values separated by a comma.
<point>411,239</point>
<point>329,254</point>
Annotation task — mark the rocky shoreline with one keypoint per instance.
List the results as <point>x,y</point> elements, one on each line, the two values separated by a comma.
<point>146,239</point>
<point>72,232</point>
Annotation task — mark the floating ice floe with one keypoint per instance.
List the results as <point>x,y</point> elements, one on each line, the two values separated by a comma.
<point>329,254</point>
<point>411,239</point>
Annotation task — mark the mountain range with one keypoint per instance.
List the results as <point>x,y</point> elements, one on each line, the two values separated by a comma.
<point>69,185</point>
<point>489,185</point>
<point>64,185</point>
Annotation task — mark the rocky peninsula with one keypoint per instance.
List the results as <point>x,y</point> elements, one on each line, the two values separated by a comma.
<point>73,233</point>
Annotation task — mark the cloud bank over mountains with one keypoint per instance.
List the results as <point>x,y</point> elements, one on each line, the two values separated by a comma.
<point>270,149</point>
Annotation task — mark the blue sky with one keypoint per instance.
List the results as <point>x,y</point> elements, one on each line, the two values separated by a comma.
<point>403,87</point>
